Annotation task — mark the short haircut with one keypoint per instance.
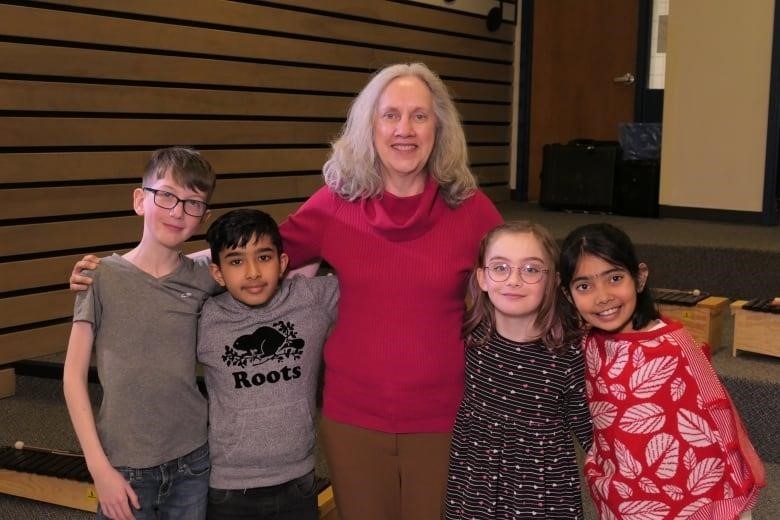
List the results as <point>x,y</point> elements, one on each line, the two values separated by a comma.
<point>236,228</point>
<point>187,167</point>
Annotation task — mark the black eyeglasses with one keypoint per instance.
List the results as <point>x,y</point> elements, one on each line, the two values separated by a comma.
<point>167,200</point>
<point>529,273</point>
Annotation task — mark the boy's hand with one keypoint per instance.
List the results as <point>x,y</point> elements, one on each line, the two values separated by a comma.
<point>115,494</point>
<point>79,281</point>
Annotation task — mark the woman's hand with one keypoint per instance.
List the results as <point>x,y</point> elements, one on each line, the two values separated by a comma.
<point>78,280</point>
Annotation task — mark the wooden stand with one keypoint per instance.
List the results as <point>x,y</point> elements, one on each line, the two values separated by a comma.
<point>327,504</point>
<point>755,331</point>
<point>26,472</point>
<point>81,495</point>
<point>60,491</point>
<point>7,382</point>
<point>704,320</point>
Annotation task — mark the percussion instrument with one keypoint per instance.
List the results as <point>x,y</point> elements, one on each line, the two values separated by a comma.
<point>61,477</point>
<point>678,297</point>
<point>757,326</point>
<point>700,313</point>
<point>57,477</point>
<point>771,305</point>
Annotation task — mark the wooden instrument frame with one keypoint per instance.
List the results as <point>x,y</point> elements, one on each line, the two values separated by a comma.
<point>755,331</point>
<point>82,495</point>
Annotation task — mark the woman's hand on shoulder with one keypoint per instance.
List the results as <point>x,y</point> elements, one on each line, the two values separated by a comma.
<point>78,280</point>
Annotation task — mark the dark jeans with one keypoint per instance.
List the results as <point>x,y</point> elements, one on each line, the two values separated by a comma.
<point>174,490</point>
<point>293,500</point>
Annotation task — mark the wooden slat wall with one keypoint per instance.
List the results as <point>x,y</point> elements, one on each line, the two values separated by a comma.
<point>88,88</point>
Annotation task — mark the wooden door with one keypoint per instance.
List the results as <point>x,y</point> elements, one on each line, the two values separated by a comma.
<point>579,48</point>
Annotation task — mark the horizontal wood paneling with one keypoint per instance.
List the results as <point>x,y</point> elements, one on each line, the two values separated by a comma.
<point>51,305</point>
<point>78,97</point>
<point>72,234</point>
<point>81,200</point>
<point>492,174</point>
<point>41,272</point>
<point>100,165</point>
<point>82,131</point>
<point>283,20</point>
<point>149,35</point>
<point>34,342</point>
<point>89,88</point>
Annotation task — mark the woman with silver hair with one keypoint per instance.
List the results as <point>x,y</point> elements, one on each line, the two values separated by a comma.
<point>399,220</point>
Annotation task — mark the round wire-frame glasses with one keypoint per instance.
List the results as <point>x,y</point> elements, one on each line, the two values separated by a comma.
<point>529,273</point>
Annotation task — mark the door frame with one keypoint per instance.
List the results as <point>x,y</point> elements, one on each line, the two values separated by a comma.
<point>648,105</point>
<point>769,210</point>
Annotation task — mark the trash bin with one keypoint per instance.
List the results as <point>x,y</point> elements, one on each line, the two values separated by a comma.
<point>640,141</point>
<point>638,175</point>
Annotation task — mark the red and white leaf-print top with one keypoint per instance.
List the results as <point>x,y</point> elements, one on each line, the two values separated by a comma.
<point>665,432</point>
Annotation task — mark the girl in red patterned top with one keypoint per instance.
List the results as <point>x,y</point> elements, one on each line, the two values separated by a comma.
<point>668,442</point>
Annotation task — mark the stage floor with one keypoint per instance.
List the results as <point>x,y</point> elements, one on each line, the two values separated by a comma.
<point>660,231</point>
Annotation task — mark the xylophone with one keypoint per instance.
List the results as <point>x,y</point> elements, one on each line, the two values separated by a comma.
<point>756,326</point>
<point>771,305</point>
<point>701,313</point>
<point>678,297</point>
<point>61,477</point>
<point>57,477</point>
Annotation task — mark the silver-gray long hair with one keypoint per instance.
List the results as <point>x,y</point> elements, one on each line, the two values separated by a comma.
<point>354,170</point>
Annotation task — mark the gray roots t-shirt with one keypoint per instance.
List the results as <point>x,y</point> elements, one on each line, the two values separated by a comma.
<point>261,366</point>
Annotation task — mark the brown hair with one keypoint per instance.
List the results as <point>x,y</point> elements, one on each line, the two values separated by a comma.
<point>187,168</point>
<point>559,330</point>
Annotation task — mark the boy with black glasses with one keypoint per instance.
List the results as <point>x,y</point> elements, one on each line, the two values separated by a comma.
<point>147,451</point>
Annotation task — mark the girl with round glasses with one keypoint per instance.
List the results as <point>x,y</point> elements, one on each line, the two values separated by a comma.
<point>512,452</point>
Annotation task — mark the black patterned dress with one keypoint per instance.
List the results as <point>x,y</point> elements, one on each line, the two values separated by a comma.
<point>512,452</point>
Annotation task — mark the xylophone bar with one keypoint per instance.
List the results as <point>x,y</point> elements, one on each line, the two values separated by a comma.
<point>771,305</point>
<point>677,297</point>
<point>62,478</point>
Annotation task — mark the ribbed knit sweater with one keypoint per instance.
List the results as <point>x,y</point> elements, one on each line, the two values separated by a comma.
<point>394,362</point>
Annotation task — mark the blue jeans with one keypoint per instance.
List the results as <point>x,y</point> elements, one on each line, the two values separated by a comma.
<point>293,500</point>
<point>177,489</point>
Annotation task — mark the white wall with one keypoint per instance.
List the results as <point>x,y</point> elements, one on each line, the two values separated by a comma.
<point>716,102</point>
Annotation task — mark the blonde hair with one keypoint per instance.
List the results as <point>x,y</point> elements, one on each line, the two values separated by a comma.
<point>353,169</point>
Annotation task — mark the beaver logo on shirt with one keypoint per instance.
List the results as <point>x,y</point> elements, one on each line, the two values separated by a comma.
<point>278,342</point>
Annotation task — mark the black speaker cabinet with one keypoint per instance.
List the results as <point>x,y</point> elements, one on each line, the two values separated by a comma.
<point>579,175</point>
<point>636,188</point>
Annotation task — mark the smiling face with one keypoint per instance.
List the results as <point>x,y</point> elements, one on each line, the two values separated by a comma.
<point>605,294</point>
<point>251,273</point>
<point>404,127</point>
<point>168,227</point>
<point>516,301</point>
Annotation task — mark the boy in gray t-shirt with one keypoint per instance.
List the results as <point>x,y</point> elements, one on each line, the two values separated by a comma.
<point>260,344</point>
<point>147,451</point>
